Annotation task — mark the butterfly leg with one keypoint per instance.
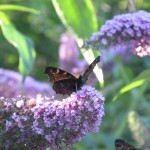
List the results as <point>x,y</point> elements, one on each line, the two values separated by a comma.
<point>76,86</point>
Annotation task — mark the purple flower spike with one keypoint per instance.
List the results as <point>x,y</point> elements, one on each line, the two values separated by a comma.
<point>42,122</point>
<point>127,29</point>
<point>11,85</point>
<point>69,55</point>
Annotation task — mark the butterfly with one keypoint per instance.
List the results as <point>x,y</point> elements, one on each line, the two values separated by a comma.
<point>122,145</point>
<point>66,83</point>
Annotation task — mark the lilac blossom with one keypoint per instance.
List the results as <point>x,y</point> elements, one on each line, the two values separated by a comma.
<point>41,122</point>
<point>11,85</point>
<point>69,55</point>
<point>109,54</point>
<point>130,30</point>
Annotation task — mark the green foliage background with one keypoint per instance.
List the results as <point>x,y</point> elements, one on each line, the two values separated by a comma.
<point>45,29</point>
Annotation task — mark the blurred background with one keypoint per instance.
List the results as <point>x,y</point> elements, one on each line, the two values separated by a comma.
<point>128,115</point>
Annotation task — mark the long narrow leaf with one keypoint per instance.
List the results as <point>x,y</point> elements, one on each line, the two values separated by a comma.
<point>77,15</point>
<point>140,80</point>
<point>18,8</point>
<point>22,43</point>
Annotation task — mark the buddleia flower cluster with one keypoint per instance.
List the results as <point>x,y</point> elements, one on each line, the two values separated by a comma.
<point>69,55</point>
<point>131,30</point>
<point>42,122</point>
<point>139,129</point>
<point>11,85</point>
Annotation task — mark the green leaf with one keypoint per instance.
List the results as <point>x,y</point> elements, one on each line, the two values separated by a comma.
<point>77,15</point>
<point>18,8</point>
<point>23,44</point>
<point>140,80</point>
<point>144,75</point>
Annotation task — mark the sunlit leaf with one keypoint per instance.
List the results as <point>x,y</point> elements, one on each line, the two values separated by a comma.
<point>77,15</point>
<point>18,8</point>
<point>22,43</point>
<point>140,80</point>
<point>132,85</point>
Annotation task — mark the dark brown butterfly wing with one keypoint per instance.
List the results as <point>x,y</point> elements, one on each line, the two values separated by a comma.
<point>66,83</point>
<point>122,145</point>
<point>90,69</point>
<point>56,74</point>
<point>66,86</point>
<point>63,82</point>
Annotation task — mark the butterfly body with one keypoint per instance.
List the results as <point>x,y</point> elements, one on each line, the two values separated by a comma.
<point>72,85</point>
<point>122,145</point>
<point>66,83</point>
